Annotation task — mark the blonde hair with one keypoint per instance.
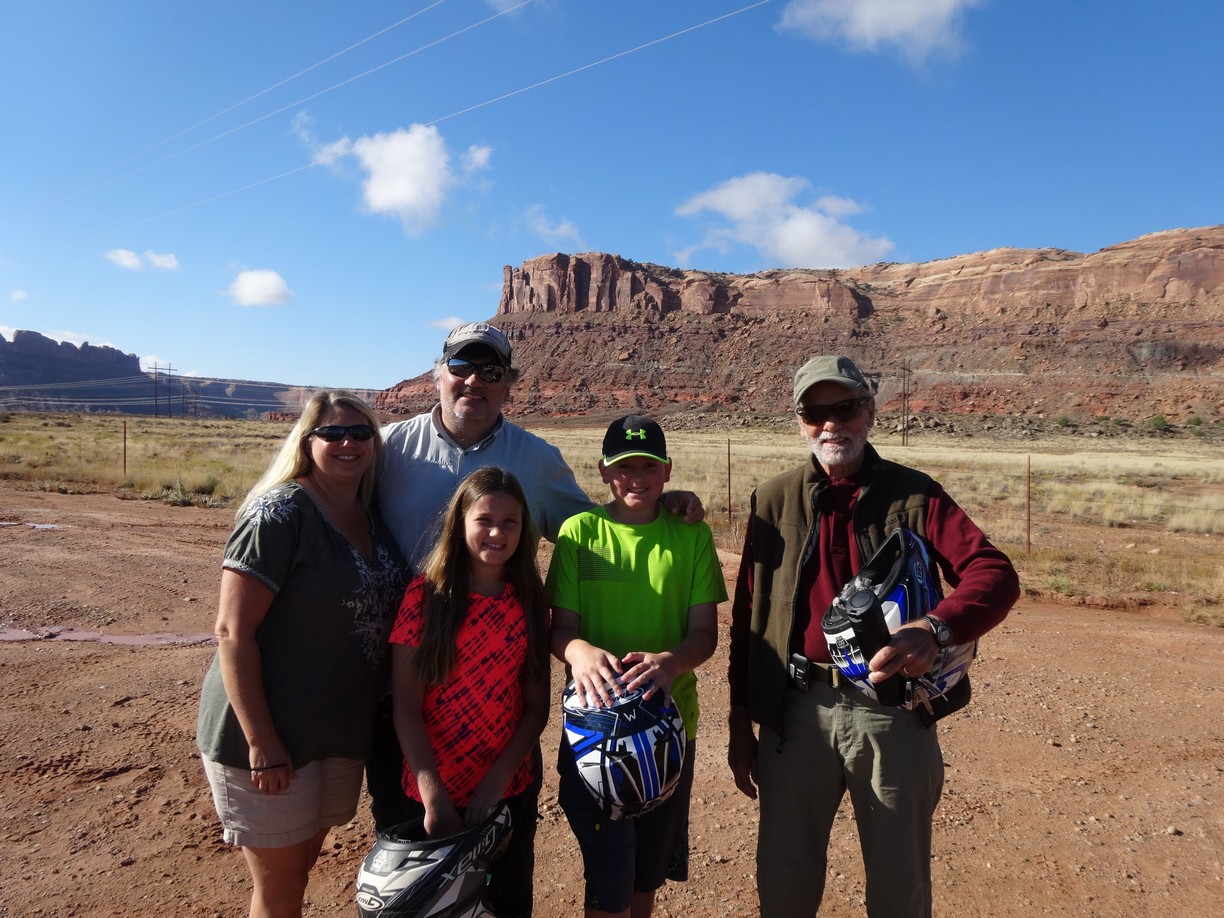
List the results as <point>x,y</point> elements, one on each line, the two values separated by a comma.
<point>448,578</point>
<point>293,459</point>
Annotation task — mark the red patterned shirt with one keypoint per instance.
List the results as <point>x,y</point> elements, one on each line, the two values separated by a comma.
<point>471,718</point>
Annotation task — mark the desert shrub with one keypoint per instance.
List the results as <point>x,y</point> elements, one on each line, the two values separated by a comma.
<point>1194,421</point>
<point>1063,421</point>
<point>1158,422</point>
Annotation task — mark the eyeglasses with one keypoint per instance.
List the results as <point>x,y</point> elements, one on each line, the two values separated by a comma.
<point>842,411</point>
<point>333,433</point>
<point>488,372</point>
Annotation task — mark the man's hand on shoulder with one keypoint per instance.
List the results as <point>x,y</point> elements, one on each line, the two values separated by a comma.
<point>685,504</point>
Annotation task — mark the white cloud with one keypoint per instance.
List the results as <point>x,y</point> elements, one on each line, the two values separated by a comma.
<point>759,210</point>
<point>7,331</point>
<point>916,28</point>
<point>476,159</point>
<point>448,323</point>
<point>408,175</point>
<point>18,295</point>
<point>260,288</point>
<point>560,234</point>
<point>166,262</point>
<point>125,258</point>
<point>129,260</point>
<point>408,172</point>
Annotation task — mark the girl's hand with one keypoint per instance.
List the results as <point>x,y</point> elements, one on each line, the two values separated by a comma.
<point>655,669</point>
<point>594,670</point>
<point>442,820</point>
<point>271,768</point>
<point>489,792</point>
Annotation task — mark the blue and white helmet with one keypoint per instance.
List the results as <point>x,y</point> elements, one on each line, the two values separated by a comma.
<point>629,754</point>
<point>407,874</point>
<point>899,574</point>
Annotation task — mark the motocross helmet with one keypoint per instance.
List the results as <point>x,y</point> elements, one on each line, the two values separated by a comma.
<point>629,755</point>
<point>900,575</point>
<point>409,875</point>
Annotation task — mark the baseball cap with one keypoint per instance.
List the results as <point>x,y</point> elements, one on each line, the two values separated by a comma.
<point>831,368</point>
<point>634,436</point>
<point>470,333</point>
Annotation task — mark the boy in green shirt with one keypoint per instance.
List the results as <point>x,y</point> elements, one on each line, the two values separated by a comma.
<point>635,595</point>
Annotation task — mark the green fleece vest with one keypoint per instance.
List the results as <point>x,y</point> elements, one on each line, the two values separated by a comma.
<point>784,529</point>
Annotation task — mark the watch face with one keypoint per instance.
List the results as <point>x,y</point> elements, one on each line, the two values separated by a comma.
<point>943,634</point>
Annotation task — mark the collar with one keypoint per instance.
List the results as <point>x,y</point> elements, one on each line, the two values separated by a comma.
<point>440,431</point>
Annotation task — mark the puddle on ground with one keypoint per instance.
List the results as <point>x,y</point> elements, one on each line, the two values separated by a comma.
<point>164,638</point>
<point>33,525</point>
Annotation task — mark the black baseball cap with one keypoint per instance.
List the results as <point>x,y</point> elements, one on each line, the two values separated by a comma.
<point>634,435</point>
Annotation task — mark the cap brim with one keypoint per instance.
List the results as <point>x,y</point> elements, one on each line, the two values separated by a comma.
<point>612,460</point>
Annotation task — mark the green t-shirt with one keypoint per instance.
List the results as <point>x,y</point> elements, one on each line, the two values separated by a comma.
<point>322,643</point>
<point>632,586</point>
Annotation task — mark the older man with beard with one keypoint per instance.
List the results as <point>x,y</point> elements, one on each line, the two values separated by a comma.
<point>810,531</point>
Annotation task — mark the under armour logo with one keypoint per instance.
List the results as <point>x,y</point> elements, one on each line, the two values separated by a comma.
<point>640,433</point>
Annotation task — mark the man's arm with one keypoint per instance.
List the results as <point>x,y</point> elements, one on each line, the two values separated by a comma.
<point>984,588</point>
<point>741,740</point>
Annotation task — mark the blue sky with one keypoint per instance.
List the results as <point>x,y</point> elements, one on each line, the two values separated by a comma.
<point>312,192</point>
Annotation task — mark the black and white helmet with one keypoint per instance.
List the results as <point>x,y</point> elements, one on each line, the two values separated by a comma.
<point>901,577</point>
<point>409,875</point>
<point>629,755</point>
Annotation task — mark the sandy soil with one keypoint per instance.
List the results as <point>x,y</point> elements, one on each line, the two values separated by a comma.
<point>1085,778</point>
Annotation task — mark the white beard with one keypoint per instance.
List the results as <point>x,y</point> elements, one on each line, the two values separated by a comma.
<point>833,455</point>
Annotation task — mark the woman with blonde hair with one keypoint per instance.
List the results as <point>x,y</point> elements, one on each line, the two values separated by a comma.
<point>310,583</point>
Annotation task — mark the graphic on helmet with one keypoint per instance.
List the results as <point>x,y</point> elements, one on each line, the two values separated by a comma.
<point>629,755</point>
<point>899,576</point>
<point>409,875</point>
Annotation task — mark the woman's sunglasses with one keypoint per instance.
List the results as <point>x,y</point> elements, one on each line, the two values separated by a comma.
<point>333,433</point>
<point>488,372</point>
<point>842,411</point>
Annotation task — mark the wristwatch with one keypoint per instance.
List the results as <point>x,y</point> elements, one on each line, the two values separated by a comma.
<point>942,633</point>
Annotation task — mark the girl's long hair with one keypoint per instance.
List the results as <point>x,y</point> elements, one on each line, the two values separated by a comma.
<point>293,459</point>
<point>447,574</point>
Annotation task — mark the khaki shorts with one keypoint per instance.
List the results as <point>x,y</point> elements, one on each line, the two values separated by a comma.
<point>324,794</point>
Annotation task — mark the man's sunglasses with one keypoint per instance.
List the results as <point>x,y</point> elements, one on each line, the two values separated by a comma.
<point>333,433</point>
<point>842,411</point>
<point>488,372</point>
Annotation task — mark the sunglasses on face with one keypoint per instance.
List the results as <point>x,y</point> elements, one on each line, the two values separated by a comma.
<point>488,372</point>
<point>841,411</point>
<point>333,433</point>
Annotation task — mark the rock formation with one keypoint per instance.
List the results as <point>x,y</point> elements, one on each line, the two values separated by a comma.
<point>1132,331</point>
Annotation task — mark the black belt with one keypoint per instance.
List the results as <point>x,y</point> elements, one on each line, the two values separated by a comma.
<point>802,672</point>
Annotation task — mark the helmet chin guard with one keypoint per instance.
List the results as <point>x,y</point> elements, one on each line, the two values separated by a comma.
<point>409,875</point>
<point>898,577</point>
<point>629,754</point>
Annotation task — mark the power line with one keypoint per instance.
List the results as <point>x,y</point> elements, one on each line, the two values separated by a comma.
<point>456,114</point>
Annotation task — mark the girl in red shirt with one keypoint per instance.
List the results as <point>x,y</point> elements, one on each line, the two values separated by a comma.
<point>469,662</point>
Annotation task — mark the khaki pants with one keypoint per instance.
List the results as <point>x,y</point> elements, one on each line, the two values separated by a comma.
<point>839,740</point>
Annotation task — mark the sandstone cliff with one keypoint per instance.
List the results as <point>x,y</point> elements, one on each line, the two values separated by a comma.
<point>1132,331</point>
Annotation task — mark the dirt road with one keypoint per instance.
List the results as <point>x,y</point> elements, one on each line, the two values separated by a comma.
<point>1084,779</point>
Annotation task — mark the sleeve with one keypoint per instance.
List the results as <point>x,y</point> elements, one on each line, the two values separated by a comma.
<point>708,582</point>
<point>265,539</point>
<point>558,497</point>
<point>741,619</point>
<point>408,625</point>
<point>562,582</point>
<point>984,583</point>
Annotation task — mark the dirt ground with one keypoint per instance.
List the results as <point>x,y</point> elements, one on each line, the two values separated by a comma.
<point>1085,778</point>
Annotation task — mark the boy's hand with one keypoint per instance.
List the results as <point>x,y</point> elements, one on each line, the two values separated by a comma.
<point>655,669</point>
<point>594,671</point>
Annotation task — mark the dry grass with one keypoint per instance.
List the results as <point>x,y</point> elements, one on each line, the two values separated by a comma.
<point>1110,523</point>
